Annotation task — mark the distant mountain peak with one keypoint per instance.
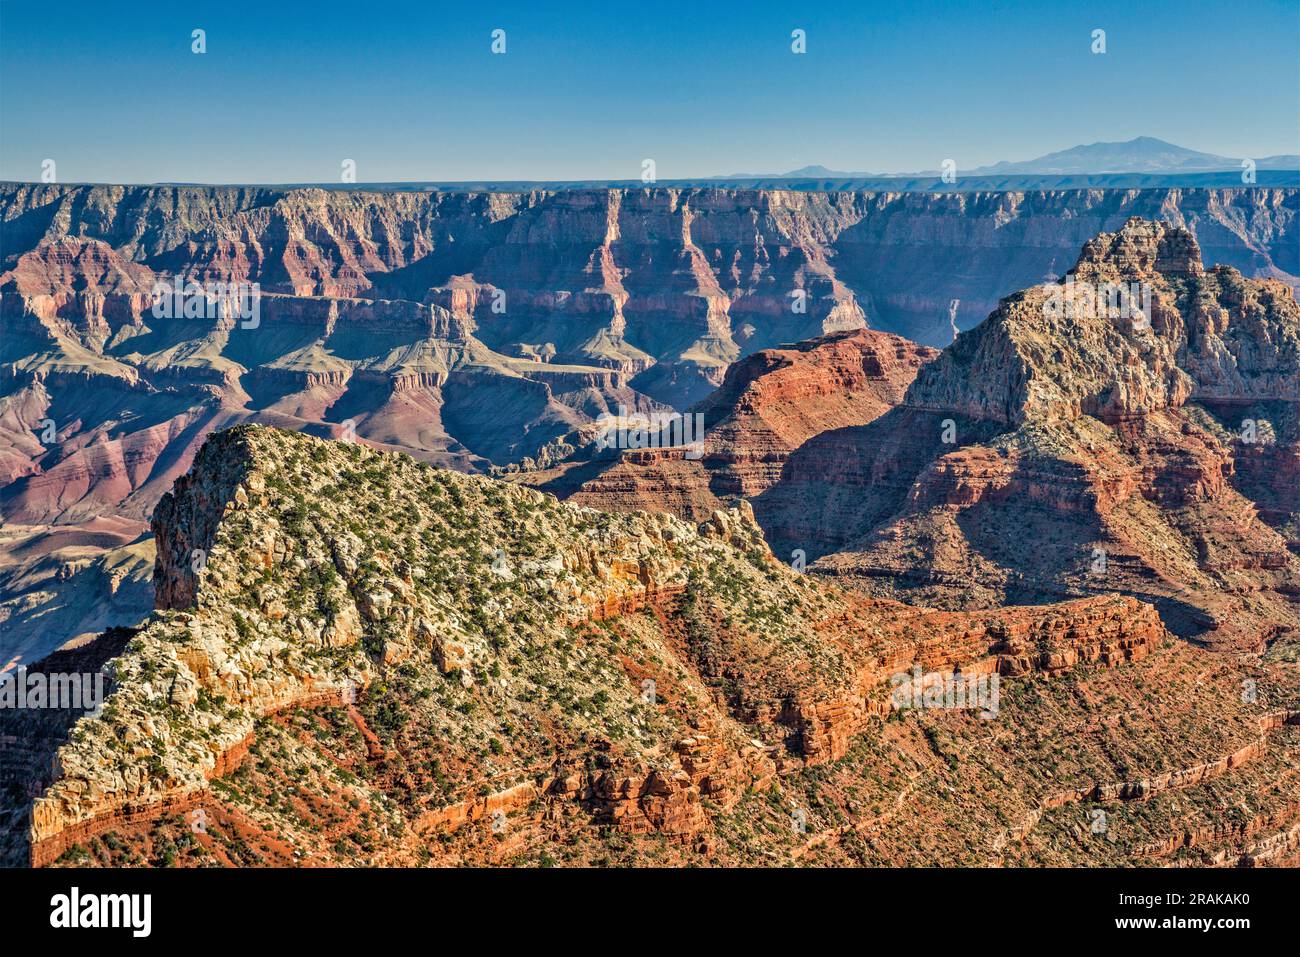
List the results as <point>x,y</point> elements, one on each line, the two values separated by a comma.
<point>1140,155</point>
<point>816,170</point>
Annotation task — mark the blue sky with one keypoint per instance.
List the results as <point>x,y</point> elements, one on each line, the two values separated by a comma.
<point>287,91</point>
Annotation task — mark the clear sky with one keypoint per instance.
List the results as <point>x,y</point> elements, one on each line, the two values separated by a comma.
<point>287,91</point>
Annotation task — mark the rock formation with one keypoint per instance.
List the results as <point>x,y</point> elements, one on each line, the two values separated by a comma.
<point>770,404</point>
<point>1060,449</point>
<point>358,658</point>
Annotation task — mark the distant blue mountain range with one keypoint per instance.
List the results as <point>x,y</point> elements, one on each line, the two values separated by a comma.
<point>1144,155</point>
<point>1142,163</point>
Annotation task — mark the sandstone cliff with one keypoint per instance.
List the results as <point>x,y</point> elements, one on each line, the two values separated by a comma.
<point>770,404</point>
<point>1055,451</point>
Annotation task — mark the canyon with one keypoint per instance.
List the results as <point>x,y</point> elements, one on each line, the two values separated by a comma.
<point>476,330</point>
<point>369,588</point>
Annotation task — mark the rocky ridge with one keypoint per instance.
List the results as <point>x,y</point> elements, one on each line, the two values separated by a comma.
<point>488,651</point>
<point>769,404</point>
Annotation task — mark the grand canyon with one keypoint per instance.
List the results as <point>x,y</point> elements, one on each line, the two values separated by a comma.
<point>370,583</point>
<point>578,471</point>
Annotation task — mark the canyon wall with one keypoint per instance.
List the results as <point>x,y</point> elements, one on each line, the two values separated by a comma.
<point>685,280</point>
<point>490,328</point>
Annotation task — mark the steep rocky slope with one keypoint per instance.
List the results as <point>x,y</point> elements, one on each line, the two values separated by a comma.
<point>361,659</point>
<point>1055,451</point>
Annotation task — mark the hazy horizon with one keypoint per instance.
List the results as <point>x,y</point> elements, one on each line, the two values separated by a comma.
<point>985,173</point>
